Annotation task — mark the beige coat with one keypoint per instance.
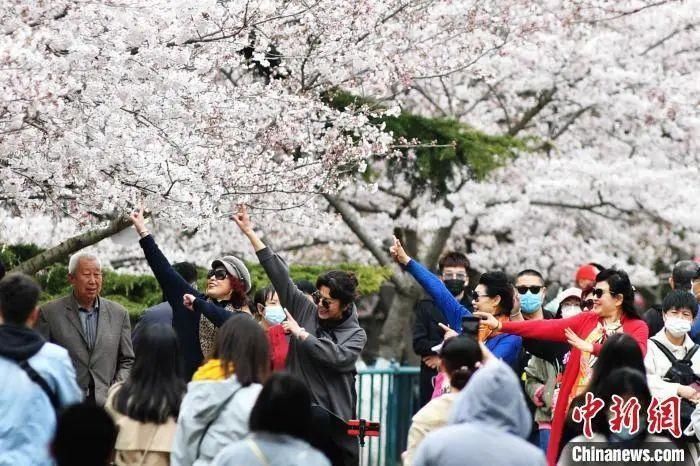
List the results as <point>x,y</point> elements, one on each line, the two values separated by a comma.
<point>430,417</point>
<point>140,444</point>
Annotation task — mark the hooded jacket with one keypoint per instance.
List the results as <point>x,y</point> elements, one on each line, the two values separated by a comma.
<point>271,449</point>
<point>489,424</point>
<point>325,361</point>
<point>224,406</point>
<point>27,418</point>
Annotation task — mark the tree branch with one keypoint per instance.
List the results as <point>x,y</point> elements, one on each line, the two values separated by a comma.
<point>543,99</point>
<point>71,245</point>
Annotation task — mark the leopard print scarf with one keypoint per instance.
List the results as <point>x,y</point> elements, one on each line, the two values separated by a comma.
<point>207,331</point>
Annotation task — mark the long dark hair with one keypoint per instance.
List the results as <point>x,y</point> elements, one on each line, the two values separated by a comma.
<point>620,284</point>
<point>620,350</point>
<point>283,406</point>
<point>155,386</point>
<point>459,355</point>
<point>624,382</point>
<point>242,347</point>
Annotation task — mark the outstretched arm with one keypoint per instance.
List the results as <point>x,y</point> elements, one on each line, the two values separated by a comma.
<point>275,267</point>
<point>448,304</point>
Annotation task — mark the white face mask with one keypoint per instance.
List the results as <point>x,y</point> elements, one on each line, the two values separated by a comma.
<point>677,326</point>
<point>570,311</point>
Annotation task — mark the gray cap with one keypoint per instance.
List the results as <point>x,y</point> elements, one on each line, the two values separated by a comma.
<point>235,267</point>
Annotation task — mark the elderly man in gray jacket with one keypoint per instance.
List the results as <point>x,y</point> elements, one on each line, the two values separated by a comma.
<point>95,331</point>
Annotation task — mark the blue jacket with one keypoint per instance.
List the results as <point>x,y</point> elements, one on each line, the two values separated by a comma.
<point>503,346</point>
<point>27,419</point>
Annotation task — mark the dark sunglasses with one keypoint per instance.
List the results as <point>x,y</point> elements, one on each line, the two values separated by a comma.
<point>220,274</point>
<point>533,289</point>
<point>599,292</point>
<point>318,299</point>
<point>476,296</point>
<point>587,304</point>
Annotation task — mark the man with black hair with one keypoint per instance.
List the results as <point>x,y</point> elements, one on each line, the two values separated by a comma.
<point>162,313</point>
<point>38,378</point>
<point>682,276</point>
<point>85,436</point>
<point>453,270</point>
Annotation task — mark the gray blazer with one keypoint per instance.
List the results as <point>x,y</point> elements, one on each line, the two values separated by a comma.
<point>111,359</point>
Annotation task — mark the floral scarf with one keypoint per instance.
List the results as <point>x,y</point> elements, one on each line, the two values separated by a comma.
<point>588,360</point>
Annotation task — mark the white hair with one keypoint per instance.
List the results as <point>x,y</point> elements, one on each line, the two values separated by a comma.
<point>75,260</point>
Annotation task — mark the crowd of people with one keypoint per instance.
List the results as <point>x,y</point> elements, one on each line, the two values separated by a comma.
<point>218,377</point>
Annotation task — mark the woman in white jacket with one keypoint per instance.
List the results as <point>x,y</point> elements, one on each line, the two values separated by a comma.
<point>217,406</point>
<point>679,310</point>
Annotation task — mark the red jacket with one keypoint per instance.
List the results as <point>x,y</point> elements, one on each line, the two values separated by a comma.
<point>553,329</point>
<point>279,346</point>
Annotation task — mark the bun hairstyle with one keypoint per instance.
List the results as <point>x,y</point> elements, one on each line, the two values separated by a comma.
<point>620,284</point>
<point>460,356</point>
<point>342,285</point>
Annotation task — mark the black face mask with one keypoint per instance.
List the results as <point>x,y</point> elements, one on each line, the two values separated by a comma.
<point>455,286</point>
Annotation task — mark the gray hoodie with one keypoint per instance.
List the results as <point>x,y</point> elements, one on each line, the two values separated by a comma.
<point>325,361</point>
<point>224,404</point>
<point>488,424</point>
<point>268,449</point>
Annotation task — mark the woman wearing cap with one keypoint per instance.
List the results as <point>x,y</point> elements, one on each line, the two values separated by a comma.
<point>326,343</point>
<point>228,281</point>
<point>613,312</point>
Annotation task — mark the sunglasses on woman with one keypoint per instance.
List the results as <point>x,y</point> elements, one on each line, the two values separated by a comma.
<point>532,289</point>
<point>476,296</point>
<point>220,274</point>
<point>599,292</point>
<point>318,299</point>
<point>587,304</point>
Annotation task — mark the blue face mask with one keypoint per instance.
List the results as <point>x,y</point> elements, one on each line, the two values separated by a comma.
<point>529,302</point>
<point>274,314</point>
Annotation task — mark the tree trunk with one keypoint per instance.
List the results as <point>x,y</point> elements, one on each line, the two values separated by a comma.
<point>63,250</point>
<point>396,339</point>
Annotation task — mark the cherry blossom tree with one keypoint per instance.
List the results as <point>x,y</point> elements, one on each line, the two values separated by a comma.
<point>195,106</point>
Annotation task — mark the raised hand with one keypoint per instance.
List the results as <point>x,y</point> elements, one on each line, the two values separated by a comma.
<point>188,301</point>
<point>242,219</point>
<point>488,319</point>
<point>138,220</point>
<point>398,253</point>
<point>449,333</point>
<point>578,342</point>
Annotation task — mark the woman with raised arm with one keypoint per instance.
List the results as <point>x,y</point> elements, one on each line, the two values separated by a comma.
<point>493,295</point>
<point>613,312</point>
<point>326,337</point>
<point>196,316</point>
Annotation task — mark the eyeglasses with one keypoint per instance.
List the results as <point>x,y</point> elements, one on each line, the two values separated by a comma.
<point>587,304</point>
<point>476,296</point>
<point>324,302</point>
<point>220,274</point>
<point>533,289</point>
<point>454,276</point>
<point>599,292</point>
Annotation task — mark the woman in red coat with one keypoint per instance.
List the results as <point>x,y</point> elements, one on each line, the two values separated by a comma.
<point>613,311</point>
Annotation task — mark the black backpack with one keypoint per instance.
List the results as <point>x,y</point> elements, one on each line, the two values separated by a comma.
<point>681,370</point>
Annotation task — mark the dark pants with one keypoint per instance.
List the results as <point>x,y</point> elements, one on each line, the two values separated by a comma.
<point>329,435</point>
<point>426,384</point>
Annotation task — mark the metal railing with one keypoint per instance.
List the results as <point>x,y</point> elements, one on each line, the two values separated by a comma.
<point>389,396</point>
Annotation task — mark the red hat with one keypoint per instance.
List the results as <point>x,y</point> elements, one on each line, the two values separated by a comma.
<point>586,272</point>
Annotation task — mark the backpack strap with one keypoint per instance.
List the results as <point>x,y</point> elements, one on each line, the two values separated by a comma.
<point>689,355</point>
<point>39,380</point>
<point>216,417</point>
<point>666,351</point>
